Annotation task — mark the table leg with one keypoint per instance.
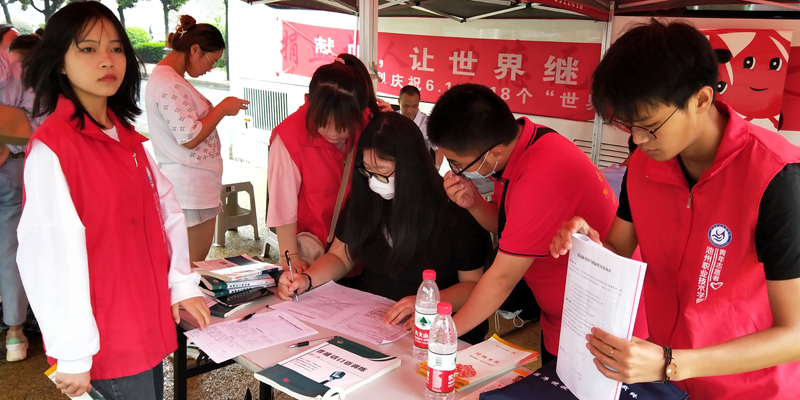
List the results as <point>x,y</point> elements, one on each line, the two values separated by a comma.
<point>265,392</point>
<point>179,368</point>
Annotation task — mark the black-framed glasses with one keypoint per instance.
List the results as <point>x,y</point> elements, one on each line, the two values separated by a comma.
<point>640,130</point>
<point>460,171</point>
<point>369,174</point>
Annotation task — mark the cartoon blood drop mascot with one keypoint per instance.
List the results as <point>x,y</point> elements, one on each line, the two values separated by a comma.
<point>752,72</point>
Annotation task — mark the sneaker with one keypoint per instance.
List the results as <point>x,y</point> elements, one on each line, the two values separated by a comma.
<point>16,348</point>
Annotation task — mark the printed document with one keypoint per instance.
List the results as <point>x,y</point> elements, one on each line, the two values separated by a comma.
<point>602,291</point>
<point>348,311</point>
<point>226,340</point>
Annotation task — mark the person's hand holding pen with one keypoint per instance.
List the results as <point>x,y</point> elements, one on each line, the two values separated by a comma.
<point>290,284</point>
<point>287,287</point>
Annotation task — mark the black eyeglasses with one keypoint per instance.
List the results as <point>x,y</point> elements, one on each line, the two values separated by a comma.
<point>460,171</point>
<point>370,174</point>
<point>640,130</point>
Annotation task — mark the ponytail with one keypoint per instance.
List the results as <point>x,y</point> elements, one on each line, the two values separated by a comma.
<point>189,33</point>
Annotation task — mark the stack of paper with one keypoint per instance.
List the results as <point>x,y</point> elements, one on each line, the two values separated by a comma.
<point>480,363</point>
<point>226,340</point>
<point>347,311</point>
<point>602,291</point>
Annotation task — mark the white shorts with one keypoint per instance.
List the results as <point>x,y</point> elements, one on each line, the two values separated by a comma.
<point>197,217</point>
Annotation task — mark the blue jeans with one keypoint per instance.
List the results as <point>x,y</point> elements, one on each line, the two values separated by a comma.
<point>15,303</point>
<point>148,385</point>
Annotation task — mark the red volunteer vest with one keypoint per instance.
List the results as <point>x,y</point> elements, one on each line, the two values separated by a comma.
<point>704,283</point>
<point>117,201</point>
<point>321,166</point>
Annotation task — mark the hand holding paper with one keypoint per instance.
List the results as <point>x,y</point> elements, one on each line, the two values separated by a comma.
<point>634,361</point>
<point>562,242</point>
<point>602,291</point>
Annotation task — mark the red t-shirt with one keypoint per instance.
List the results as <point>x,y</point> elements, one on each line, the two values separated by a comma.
<point>549,182</point>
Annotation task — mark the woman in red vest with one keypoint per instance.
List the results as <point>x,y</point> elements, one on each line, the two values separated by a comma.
<point>712,201</point>
<point>398,222</point>
<point>307,155</point>
<point>103,248</point>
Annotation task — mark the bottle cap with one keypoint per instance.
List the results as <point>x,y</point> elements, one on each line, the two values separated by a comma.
<point>429,275</point>
<point>444,308</point>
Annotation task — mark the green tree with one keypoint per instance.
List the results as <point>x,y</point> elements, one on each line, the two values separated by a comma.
<point>167,6</point>
<point>223,28</point>
<point>121,6</point>
<point>49,7</point>
<point>137,35</point>
<point>4,4</point>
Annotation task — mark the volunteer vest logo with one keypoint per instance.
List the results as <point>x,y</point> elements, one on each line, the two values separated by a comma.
<point>711,268</point>
<point>719,235</point>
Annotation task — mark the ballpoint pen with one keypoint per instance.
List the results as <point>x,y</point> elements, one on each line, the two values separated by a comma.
<point>308,342</point>
<point>291,274</point>
<point>246,317</point>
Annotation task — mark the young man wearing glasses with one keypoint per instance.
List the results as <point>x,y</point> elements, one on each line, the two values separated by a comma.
<point>541,179</point>
<point>713,202</point>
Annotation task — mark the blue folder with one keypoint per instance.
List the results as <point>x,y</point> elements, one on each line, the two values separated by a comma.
<point>544,384</point>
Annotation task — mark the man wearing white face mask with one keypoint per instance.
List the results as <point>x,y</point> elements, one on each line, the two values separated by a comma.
<point>539,176</point>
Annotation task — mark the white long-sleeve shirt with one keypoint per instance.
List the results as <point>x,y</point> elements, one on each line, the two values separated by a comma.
<point>53,261</point>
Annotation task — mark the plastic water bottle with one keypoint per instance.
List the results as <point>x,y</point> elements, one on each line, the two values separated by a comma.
<point>442,347</point>
<point>425,312</point>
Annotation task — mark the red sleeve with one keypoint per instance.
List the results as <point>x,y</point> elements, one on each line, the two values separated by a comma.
<point>535,210</point>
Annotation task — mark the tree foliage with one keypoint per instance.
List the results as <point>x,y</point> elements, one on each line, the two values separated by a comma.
<point>167,6</point>
<point>137,35</point>
<point>46,7</point>
<point>150,52</point>
<point>121,6</point>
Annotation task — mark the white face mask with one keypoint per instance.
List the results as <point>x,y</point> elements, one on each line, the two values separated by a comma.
<point>477,175</point>
<point>385,190</point>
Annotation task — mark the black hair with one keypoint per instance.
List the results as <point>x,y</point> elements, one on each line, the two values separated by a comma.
<point>470,118</point>
<point>409,90</point>
<point>43,66</point>
<point>190,33</point>
<point>24,42</point>
<point>339,93</point>
<point>410,217</point>
<point>631,145</point>
<point>654,63</point>
<point>39,32</point>
<point>366,79</point>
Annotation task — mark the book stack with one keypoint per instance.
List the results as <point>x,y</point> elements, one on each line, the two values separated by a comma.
<point>235,282</point>
<point>336,367</point>
<point>484,361</point>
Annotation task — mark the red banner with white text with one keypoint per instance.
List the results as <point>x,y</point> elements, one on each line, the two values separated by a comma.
<point>541,78</point>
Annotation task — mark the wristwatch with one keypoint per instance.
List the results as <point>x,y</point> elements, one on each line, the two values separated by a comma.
<point>670,368</point>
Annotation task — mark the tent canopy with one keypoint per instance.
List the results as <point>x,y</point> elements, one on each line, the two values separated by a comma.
<point>469,10</point>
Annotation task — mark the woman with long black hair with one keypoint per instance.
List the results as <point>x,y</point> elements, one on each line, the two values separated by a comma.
<point>398,222</point>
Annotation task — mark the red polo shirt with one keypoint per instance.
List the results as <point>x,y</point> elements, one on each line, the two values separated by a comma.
<point>549,182</point>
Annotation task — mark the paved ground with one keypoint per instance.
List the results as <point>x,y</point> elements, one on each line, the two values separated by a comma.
<point>25,380</point>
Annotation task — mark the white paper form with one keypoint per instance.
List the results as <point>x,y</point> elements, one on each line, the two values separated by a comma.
<point>602,291</point>
<point>226,340</point>
<point>347,311</point>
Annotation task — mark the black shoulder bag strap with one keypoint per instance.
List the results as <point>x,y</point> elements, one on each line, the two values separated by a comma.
<point>501,218</point>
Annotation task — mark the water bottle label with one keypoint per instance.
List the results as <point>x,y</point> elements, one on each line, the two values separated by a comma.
<point>422,329</point>
<point>441,372</point>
